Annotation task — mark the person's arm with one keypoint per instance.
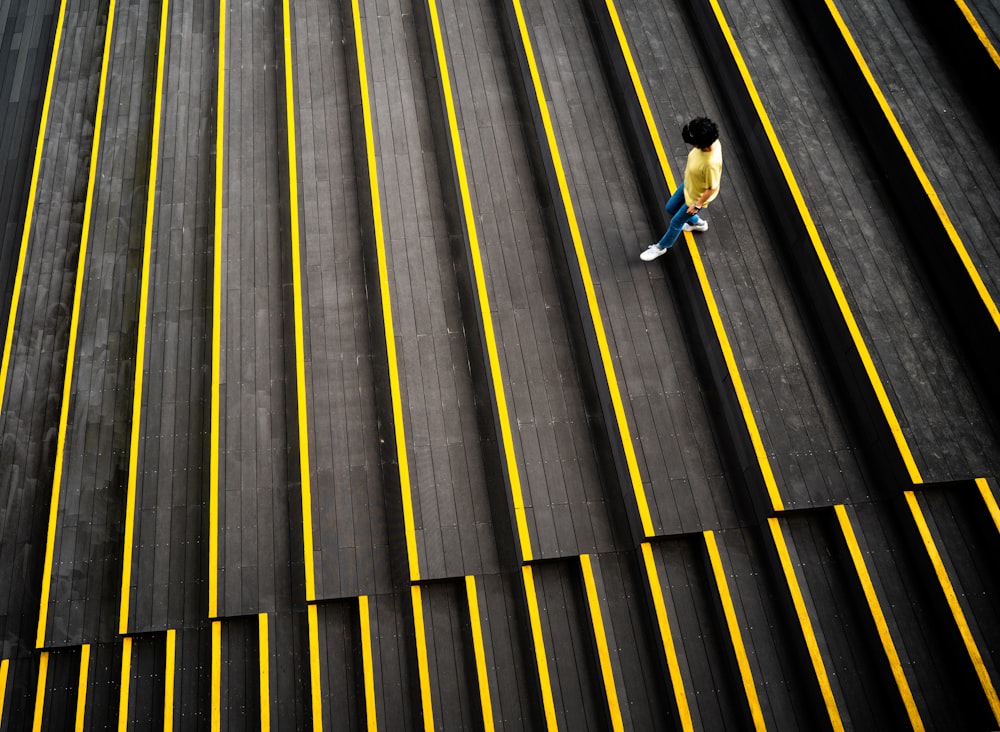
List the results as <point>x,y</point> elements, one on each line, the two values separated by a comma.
<point>705,195</point>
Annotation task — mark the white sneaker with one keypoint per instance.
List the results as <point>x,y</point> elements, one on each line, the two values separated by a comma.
<point>654,251</point>
<point>700,226</point>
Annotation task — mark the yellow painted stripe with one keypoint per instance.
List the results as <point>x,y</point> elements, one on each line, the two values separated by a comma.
<point>954,605</point>
<point>638,489</point>
<point>216,692</point>
<point>486,311</point>
<point>264,657</point>
<point>390,334</point>
<point>367,663</point>
<point>125,684</point>
<point>667,638</point>
<point>990,500</point>
<point>82,684</point>
<point>826,690</point>
<point>423,670</point>
<point>315,679</point>
<point>956,240</point>
<point>300,367</point>
<point>888,645</point>
<point>763,461</point>
<point>43,670</point>
<point>538,641</point>
<point>213,460</point>
<point>169,676</point>
<point>479,650</point>
<point>601,641</point>
<point>978,30</point>
<point>140,357</point>
<point>50,540</point>
<point>4,669</point>
<point>732,623</point>
<point>22,256</point>
<point>824,259</point>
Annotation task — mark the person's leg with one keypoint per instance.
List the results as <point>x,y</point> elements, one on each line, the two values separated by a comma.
<point>679,216</point>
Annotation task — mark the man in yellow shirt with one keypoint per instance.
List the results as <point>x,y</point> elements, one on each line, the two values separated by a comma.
<point>702,177</point>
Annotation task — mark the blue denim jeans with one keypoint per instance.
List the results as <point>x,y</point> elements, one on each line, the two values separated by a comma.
<point>678,217</point>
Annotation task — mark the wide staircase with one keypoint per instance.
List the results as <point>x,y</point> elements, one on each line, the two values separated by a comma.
<point>334,394</point>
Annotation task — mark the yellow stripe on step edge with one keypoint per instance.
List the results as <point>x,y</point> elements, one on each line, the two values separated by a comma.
<point>423,670</point>
<point>22,256</point>
<point>301,399</point>
<point>82,683</point>
<point>667,638</point>
<point>50,540</point>
<point>954,605</point>
<point>638,489</point>
<point>763,461</point>
<point>601,641</point>
<point>888,645</point>
<point>390,335</point>
<point>367,662</point>
<point>956,240</point>
<point>125,684</point>
<point>824,259</point>
<point>315,678</point>
<point>819,668</point>
<point>169,678</point>
<point>140,350</point>
<point>989,500</point>
<point>213,469</point>
<point>732,623</point>
<point>538,642</point>
<point>264,656</point>
<point>43,672</point>
<point>486,311</point>
<point>479,651</point>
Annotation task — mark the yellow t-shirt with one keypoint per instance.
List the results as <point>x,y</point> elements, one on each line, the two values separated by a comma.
<point>703,171</point>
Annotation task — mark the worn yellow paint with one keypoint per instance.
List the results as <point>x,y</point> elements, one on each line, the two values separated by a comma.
<point>667,638</point>
<point>621,420</point>
<point>485,310</point>
<point>941,572</point>
<point>862,348</point>
<point>885,637</point>
<point>735,634</point>
<point>74,326</point>
<point>140,350</point>
<point>22,256</point>
<point>601,642</point>
<point>479,651</point>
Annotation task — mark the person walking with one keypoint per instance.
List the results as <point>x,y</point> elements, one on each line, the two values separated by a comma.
<point>702,177</point>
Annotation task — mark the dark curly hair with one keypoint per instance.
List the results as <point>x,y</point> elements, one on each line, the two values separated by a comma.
<point>700,132</point>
